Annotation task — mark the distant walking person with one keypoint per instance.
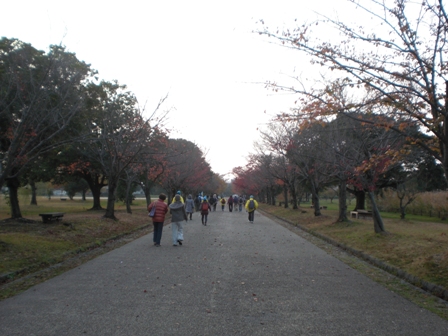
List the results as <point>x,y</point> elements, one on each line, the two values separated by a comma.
<point>159,217</point>
<point>180,195</point>
<point>240,204</point>
<point>251,206</point>
<point>205,208</point>
<point>189,206</point>
<point>178,215</point>
<point>223,203</point>
<point>235,202</point>
<point>197,202</point>
<point>213,202</point>
<point>230,203</point>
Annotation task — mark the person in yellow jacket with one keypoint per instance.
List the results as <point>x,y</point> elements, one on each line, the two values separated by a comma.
<point>223,203</point>
<point>251,206</point>
<point>181,198</point>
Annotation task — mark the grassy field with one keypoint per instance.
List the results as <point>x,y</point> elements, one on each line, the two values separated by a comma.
<point>416,245</point>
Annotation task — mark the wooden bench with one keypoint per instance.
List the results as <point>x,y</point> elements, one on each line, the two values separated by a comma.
<point>49,216</point>
<point>361,214</point>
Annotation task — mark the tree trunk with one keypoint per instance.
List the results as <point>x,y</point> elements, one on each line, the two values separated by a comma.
<point>268,196</point>
<point>147,191</point>
<point>360,199</point>
<point>96,194</point>
<point>128,196</point>
<point>342,201</point>
<point>294,197</point>
<point>377,220</point>
<point>84,195</point>
<point>33,192</point>
<point>444,145</point>
<point>128,205</point>
<point>272,196</point>
<point>285,193</point>
<point>95,187</point>
<point>13,187</point>
<point>315,200</point>
<point>110,210</point>
<point>402,212</point>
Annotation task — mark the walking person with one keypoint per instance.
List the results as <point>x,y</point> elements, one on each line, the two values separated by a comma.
<point>251,206</point>
<point>213,202</point>
<point>197,202</point>
<point>230,203</point>
<point>205,208</point>
<point>181,198</point>
<point>223,203</point>
<point>178,215</point>
<point>235,202</point>
<point>240,204</point>
<point>189,206</point>
<point>159,217</point>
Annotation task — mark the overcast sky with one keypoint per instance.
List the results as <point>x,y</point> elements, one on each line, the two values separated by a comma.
<point>203,54</point>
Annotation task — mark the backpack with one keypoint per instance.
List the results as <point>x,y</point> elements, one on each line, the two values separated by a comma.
<point>251,205</point>
<point>204,206</point>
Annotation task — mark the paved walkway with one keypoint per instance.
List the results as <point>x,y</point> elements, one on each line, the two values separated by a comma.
<point>229,278</point>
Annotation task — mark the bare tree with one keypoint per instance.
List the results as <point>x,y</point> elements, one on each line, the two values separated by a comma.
<point>400,63</point>
<point>276,140</point>
<point>119,134</point>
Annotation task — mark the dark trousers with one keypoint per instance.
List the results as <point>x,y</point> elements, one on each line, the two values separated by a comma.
<point>251,216</point>
<point>230,207</point>
<point>157,236</point>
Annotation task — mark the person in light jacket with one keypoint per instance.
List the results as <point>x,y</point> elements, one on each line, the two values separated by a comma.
<point>178,215</point>
<point>159,218</point>
<point>189,206</point>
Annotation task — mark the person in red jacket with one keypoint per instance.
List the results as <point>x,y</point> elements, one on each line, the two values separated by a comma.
<point>159,218</point>
<point>205,209</point>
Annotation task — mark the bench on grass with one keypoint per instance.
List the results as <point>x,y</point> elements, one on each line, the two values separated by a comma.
<point>361,214</point>
<point>365,214</point>
<point>49,216</point>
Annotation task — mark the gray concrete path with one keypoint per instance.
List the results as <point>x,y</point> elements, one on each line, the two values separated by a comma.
<point>229,278</point>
